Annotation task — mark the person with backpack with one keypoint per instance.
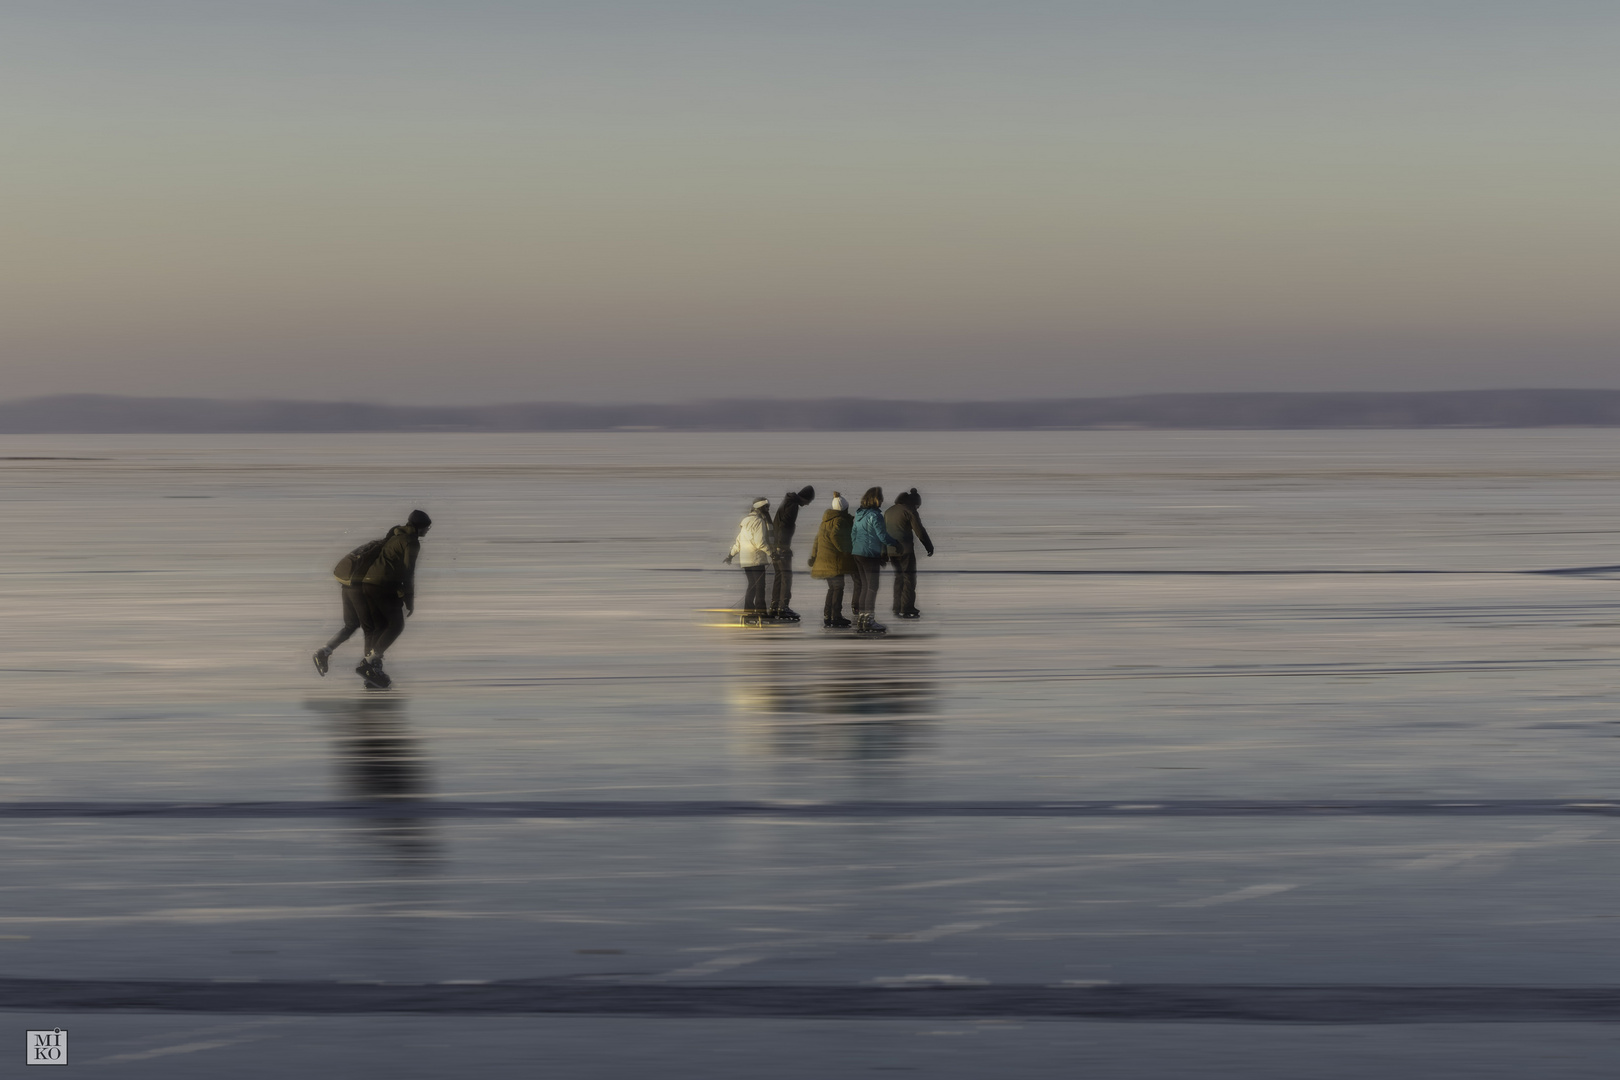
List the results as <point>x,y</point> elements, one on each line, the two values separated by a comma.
<point>387,594</point>
<point>752,550</point>
<point>869,541</point>
<point>830,560</point>
<point>905,525</point>
<point>348,571</point>
<point>389,590</point>
<point>787,520</point>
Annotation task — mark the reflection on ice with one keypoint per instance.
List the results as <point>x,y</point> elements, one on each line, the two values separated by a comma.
<point>846,682</point>
<point>844,703</point>
<point>378,759</point>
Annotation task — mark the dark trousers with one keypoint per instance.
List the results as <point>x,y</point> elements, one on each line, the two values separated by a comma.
<point>834,607</point>
<point>905,582</point>
<point>354,618</point>
<point>781,579</point>
<point>754,598</point>
<point>385,611</point>
<point>867,573</point>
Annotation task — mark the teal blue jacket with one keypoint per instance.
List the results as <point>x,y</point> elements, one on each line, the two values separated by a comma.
<point>868,537</point>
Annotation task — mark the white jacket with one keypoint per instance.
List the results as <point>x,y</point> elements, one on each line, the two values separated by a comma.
<point>753,544</point>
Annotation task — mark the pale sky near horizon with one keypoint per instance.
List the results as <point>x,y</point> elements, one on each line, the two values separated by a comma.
<point>482,201</point>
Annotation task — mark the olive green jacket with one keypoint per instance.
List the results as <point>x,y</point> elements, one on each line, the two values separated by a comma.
<point>830,554</point>
<point>396,563</point>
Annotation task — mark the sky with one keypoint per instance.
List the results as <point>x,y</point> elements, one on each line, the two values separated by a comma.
<point>483,201</point>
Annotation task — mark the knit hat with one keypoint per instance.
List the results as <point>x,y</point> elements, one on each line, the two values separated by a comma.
<point>760,501</point>
<point>838,502</point>
<point>807,495</point>
<point>419,521</point>
<point>916,499</point>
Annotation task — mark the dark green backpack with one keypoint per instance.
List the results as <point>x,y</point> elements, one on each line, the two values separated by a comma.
<point>353,566</point>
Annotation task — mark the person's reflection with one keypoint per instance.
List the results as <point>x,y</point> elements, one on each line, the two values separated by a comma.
<point>378,760</point>
<point>853,703</point>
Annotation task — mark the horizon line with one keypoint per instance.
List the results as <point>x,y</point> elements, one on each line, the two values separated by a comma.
<point>111,414</point>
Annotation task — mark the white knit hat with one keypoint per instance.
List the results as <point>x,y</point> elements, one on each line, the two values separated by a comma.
<point>838,502</point>
<point>761,502</point>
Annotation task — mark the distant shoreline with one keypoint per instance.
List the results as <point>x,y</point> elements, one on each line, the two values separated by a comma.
<point>97,414</point>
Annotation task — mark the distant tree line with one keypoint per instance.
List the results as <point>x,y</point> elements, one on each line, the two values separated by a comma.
<point>108,414</point>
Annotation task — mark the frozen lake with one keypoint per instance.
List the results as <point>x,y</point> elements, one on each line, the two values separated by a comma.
<point>1236,754</point>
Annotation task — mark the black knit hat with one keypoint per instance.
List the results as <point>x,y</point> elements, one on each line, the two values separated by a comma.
<point>807,495</point>
<point>418,520</point>
<point>916,499</point>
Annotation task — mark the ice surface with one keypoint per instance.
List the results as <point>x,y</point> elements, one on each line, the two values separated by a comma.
<point>1134,619</point>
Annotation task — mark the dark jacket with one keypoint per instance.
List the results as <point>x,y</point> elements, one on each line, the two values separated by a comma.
<point>396,563</point>
<point>868,537</point>
<point>830,551</point>
<point>787,519</point>
<point>903,522</point>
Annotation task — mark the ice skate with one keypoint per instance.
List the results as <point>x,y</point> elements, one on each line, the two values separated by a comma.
<point>373,674</point>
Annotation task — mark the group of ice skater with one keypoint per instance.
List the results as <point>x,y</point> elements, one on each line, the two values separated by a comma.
<point>846,545</point>
<point>377,580</point>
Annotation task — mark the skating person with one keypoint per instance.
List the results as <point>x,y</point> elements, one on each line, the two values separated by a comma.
<point>830,560</point>
<point>905,525</point>
<point>349,570</point>
<point>389,590</point>
<point>869,541</point>
<point>752,550</point>
<point>787,519</point>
